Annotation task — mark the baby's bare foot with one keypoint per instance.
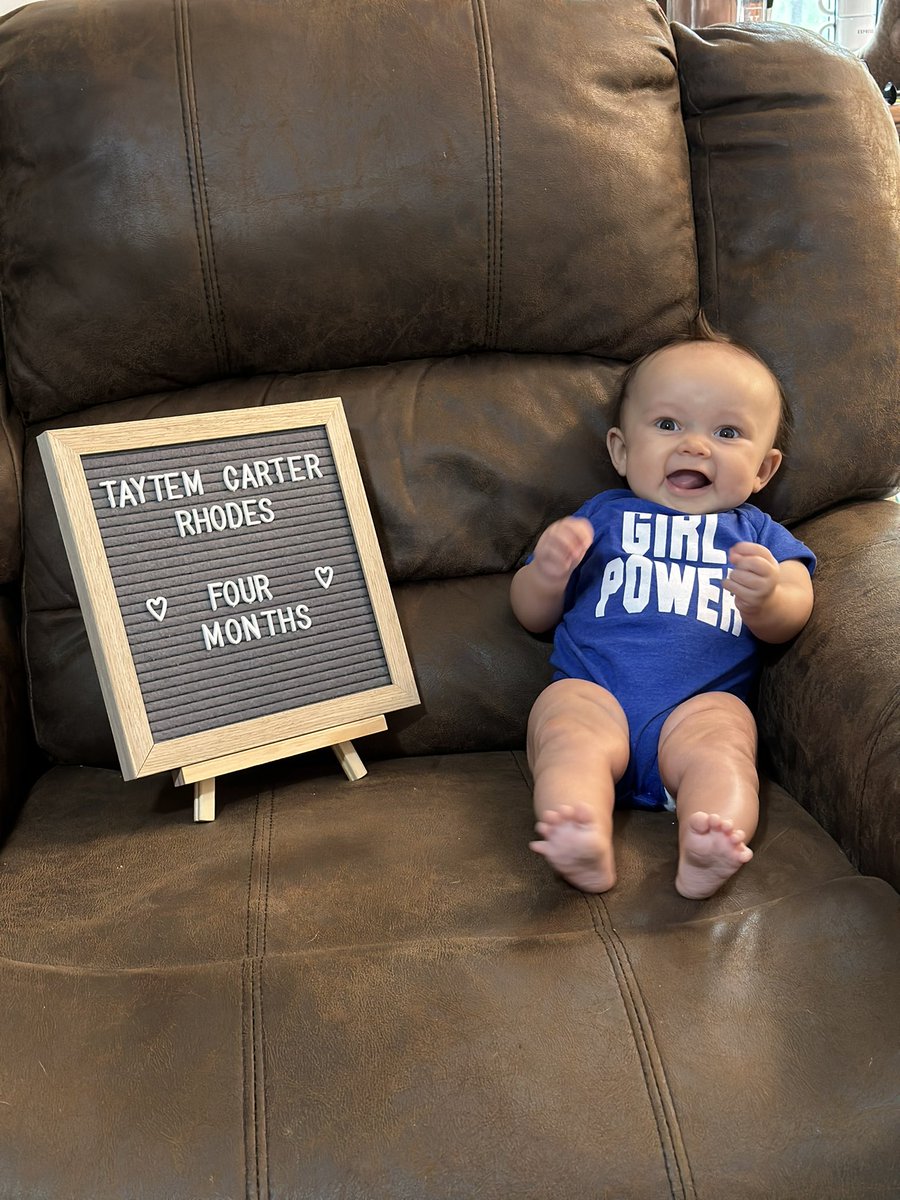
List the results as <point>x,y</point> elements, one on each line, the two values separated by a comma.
<point>711,851</point>
<point>574,846</point>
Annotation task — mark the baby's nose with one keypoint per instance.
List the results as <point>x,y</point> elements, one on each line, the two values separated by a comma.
<point>694,443</point>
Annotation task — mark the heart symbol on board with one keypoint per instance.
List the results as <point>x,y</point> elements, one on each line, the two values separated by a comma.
<point>157,606</point>
<point>325,576</point>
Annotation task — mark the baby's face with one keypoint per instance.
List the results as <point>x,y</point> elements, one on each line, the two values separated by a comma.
<point>697,428</point>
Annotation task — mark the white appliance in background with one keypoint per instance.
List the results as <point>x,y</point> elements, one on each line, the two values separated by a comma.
<point>852,22</point>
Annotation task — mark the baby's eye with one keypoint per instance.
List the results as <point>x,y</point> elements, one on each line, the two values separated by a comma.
<point>666,424</point>
<point>728,432</point>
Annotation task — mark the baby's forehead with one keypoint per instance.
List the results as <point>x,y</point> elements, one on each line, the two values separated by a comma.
<point>724,355</point>
<point>669,362</point>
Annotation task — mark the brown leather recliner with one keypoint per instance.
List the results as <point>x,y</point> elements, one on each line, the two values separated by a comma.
<point>466,219</point>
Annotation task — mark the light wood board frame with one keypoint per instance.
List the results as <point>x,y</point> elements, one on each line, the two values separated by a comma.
<point>139,752</point>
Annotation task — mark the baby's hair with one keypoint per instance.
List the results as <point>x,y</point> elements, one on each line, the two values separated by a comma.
<point>702,331</point>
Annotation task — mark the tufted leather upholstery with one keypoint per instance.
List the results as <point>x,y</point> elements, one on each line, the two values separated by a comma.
<point>465,218</point>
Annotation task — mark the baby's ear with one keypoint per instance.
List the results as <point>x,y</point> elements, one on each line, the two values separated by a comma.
<point>767,468</point>
<point>615,444</point>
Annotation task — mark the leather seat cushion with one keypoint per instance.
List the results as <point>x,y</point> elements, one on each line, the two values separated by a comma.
<point>389,995</point>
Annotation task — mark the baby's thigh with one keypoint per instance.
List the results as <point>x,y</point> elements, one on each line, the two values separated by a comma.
<point>713,724</point>
<point>575,710</point>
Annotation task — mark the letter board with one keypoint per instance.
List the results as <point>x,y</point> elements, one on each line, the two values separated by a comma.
<point>230,579</point>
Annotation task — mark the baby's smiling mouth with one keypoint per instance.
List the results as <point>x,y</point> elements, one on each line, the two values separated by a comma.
<point>687,481</point>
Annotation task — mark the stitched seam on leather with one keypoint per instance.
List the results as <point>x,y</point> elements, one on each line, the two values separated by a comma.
<point>248,946</point>
<point>204,194</point>
<point>261,1124</point>
<point>675,1159</point>
<point>197,177</point>
<point>255,1078</point>
<point>492,171</point>
<point>487,167</point>
<point>714,237</point>
<point>256,1123</point>
<point>248,1033</point>
<point>262,1107</point>
<point>686,1175</point>
<point>247,1063</point>
<point>707,168</point>
<point>497,153</point>
<point>269,840</point>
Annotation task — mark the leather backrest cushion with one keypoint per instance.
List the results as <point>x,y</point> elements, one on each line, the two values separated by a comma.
<point>464,460</point>
<point>191,192</point>
<point>794,162</point>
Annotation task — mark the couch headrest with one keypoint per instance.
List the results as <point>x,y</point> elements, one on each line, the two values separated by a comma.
<point>196,191</point>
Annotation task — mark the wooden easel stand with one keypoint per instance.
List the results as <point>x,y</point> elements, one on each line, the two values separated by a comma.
<point>203,774</point>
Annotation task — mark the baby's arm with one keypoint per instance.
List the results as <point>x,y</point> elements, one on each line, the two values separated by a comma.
<point>538,589</point>
<point>774,599</point>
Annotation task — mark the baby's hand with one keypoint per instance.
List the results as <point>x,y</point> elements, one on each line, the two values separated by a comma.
<point>754,575</point>
<point>561,547</point>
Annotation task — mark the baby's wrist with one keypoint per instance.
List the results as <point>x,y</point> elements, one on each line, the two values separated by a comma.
<point>552,580</point>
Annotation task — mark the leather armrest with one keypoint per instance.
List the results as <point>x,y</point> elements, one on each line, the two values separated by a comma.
<point>829,716</point>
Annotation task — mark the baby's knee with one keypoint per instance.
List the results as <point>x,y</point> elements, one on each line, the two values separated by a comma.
<point>713,719</point>
<point>575,708</point>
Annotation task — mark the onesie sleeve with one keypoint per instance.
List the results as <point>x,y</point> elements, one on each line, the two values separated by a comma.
<point>782,544</point>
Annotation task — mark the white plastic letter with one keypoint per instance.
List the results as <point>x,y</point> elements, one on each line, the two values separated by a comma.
<point>184,521</point>
<point>109,484</point>
<point>212,635</point>
<point>193,484</point>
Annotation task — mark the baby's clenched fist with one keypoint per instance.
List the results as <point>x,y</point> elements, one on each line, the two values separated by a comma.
<point>562,546</point>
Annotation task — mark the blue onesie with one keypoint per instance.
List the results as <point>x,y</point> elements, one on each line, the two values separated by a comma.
<point>646,617</point>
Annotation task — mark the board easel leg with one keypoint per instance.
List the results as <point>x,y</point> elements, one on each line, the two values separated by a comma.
<point>350,761</point>
<point>203,775</point>
<point>205,800</point>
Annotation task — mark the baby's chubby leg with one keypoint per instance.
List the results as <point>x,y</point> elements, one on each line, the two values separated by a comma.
<point>577,750</point>
<point>707,760</point>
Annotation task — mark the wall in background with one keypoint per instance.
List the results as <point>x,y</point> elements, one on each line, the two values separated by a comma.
<point>840,20</point>
<point>850,23</point>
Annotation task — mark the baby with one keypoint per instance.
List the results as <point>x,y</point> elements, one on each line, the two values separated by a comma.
<point>659,593</point>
